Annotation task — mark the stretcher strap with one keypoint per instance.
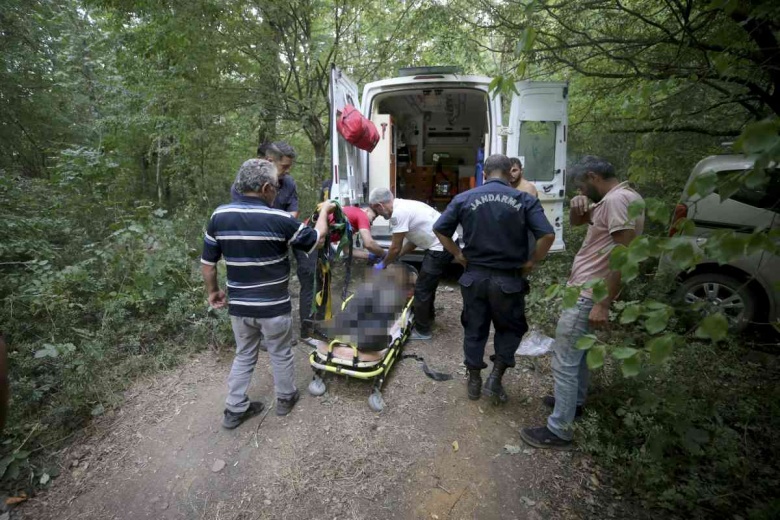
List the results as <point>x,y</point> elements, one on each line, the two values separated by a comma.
<point>326,258</point>
<point>433,374</point>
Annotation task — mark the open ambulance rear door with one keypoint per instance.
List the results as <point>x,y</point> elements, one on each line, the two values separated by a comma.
<point>537,135</point>
<point>347,172</point>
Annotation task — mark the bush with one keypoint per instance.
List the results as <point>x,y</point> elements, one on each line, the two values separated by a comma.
<point>695,435</point>
<point>91,299</point>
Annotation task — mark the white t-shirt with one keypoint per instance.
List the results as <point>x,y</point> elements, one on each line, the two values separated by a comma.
<point>416,219</point>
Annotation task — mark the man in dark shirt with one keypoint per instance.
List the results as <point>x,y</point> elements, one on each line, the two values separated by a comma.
<point>282,155</point>
<point>496,219</point>
<point>254,240</point>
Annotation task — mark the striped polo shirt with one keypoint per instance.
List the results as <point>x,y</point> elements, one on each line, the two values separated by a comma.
<point>254,240</point>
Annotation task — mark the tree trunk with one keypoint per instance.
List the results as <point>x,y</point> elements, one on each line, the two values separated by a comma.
<point>158,175</point>
<point>319,169</point>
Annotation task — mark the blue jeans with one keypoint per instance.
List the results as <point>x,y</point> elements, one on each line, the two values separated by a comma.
<point>570,371</point>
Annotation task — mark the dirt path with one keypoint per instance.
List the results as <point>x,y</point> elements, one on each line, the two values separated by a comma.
<point>332,457</point>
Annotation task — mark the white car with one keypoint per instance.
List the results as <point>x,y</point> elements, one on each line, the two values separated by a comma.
<point>746,289</point>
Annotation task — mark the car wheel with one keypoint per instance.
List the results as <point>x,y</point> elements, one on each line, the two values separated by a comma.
<point>711,292</point>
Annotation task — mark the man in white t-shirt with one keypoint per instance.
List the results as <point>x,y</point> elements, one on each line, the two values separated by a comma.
<point>412,221</point>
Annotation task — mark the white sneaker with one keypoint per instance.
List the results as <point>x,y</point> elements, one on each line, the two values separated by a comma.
<point>310,341</point>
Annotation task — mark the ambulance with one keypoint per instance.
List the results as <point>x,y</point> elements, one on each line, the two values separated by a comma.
<point>436,126</point>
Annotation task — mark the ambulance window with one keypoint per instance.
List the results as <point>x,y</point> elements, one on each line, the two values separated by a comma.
<point>537,150</point>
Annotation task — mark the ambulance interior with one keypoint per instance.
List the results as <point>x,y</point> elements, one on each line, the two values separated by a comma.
<point>435,135</point>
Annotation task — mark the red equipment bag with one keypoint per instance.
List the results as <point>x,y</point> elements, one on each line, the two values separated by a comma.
<point>356,129</point>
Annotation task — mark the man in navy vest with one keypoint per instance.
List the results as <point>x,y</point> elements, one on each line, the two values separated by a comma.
<point>496,219</point>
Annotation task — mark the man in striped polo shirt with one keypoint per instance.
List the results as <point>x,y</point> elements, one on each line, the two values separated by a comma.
<point>254,240</point>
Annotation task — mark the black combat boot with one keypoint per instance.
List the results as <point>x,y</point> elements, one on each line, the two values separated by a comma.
<point>474,385</point>
<point>493,386</point>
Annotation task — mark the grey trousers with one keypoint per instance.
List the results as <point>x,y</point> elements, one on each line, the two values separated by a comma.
<point>275,335</point>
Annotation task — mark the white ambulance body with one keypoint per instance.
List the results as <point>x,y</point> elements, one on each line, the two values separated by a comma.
<point>433,123</point>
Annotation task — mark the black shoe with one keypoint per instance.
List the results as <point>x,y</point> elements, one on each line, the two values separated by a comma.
<point>549,401</point>
<point>231,420</point>
<point>493,386</point>
<point>474,385</point>
<point>285,406</point>
<point>543,438</point>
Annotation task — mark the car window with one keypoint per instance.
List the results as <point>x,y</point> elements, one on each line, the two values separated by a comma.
<point>764,197</point>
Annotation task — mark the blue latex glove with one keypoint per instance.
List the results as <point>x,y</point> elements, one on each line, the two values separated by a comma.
<point>372,257</point>
<point>379,266</point>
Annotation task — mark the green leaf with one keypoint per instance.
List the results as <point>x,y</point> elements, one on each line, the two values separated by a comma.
<point>629,272</point>
<point>656,321</point>
<point>595,357</point>
<point>552,291</point>
<point>636,209</point>
<point>730,183</point>
<point>586,342</point>
<point>756,178</point>
<point>639,250</point>
<point>683,254</point>
<point>759,137</point>
<point>685,227</point>
<point>704,184</point>
<point>570,295</point>
<point>527,39</point>
<point>98,410</point>
<point>630,314</point>
<point>760,242</point>
<point>725,246</point>
<point>660,348</point>
<point>618,257</point>
<point>5,462</point>
<point>21,455</point>
<point>520,69</point>
<point>714,327</point>
<point>12,473</point>
<point>624,352</point>
<point>600,291</point>
<point>722,64</point>
<point>495,84</point>
<point>630,366</point>
<point>658,211</point>
<point>48,350</point>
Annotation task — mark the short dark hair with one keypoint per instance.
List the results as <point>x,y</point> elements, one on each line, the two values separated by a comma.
<point>277,150</point>
<point>592,164</point>
<point>514,161</point>
<point>497,162</point>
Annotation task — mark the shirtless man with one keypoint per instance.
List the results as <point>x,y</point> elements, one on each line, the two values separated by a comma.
<point>516,179</point>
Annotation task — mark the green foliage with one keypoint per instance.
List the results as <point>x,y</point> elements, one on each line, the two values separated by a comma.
<point>694,435</point>
<point>714,327</point>
<point>90,300</point>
